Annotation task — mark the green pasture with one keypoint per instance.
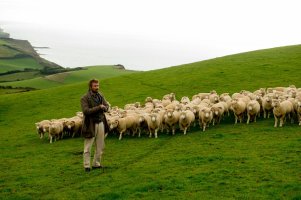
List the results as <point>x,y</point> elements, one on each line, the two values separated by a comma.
<point>6,52</point>
<point>227,161</point>
<point>18,64</point>
<point>101,72</point>
<point>19,76</point>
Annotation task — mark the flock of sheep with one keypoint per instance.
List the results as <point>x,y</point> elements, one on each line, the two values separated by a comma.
<point>170,114</point>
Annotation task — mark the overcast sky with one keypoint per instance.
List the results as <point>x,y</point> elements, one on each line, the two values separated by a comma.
<point>199,28</point>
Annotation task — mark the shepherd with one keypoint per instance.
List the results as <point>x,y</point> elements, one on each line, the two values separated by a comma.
<point>94,126</point>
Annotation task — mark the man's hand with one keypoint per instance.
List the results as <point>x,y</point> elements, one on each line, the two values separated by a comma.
<point>102,107</point>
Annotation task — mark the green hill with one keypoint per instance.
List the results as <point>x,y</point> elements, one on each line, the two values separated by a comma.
<point>70,77</point>
<point>19,54</point>
<point>228,161</point>
<point>19,61</point>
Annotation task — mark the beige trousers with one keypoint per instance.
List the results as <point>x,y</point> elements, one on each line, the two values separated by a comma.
<point>99,140</point>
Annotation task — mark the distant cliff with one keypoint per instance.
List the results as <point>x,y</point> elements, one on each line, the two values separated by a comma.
<point>12,48</point>
<point>3,34</point>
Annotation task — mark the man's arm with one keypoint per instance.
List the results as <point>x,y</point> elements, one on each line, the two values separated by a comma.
<point>105,104</point>
<point>85,107</point>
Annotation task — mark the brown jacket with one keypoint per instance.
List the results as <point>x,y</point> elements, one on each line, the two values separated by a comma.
<point>93,113</point>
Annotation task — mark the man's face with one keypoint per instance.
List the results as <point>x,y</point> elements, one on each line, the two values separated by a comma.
<point>95,87</point>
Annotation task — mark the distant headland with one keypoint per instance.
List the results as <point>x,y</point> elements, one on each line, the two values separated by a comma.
<point>3,34</point>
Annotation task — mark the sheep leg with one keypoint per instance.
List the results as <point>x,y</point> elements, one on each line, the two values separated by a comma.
<point>120,135</point>
<point>73,135</point>
<point>292,117</point>
<point>185,129</point>
<point>264,114</point>
<point>139,133</point>
<point>276,121</point>
<point>173,131</point>
<point>204,127</point>
<point>235,118</point>
<point>156,133</point>
<point>281,121</point>
<point>248,121</point>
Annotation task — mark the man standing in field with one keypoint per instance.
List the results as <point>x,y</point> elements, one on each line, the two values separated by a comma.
<point>94,106</point>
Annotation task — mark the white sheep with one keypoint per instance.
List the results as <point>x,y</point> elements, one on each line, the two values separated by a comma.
<point>154,124</point>
<point>267,106</point>
<point>214,98</point>
<point>196,101</point>
<point>143,125</point>
<point>186,119</point>
<point>166,102</point>
<point>171,97</point>
<point>42,127</point>
<point>280,110</point>
<point>238,107</point>
<point>73,125</point>
<point>225,97</point>
<point>185,100</point>
<point>55,130</point>
<point>253,109</point>
<point>299,112</point>
<point>172,105</point>
<point>111,118</point>
<point>148,100</point>
<point>80,114</point>
<point>205,117</point>
<point>171,119</point>
<point>260,92</point>
<point>203,95</point>
<point>218,110</point>
<point>123,124</point>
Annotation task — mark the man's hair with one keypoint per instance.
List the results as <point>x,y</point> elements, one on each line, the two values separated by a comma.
<point>92,81</point>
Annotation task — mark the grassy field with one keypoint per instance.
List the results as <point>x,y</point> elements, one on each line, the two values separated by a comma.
<point>101,72</point>
<point>19,76</point>
<point>228,161</point>
<point>18,64</point>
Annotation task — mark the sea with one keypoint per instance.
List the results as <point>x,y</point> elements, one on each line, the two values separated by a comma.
<point>78,48</point>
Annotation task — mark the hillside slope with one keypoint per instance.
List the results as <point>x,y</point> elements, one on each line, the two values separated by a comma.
<point>12,52</point>
<point>19,61</point>
<point>59,79</point>
<point>228,161</point>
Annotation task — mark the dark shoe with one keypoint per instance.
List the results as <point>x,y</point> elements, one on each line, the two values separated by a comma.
<point>87,169</point>
<point>98,167</point>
